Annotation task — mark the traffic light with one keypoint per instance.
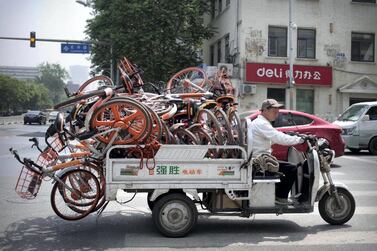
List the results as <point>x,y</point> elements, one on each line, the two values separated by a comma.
<point>32,39</point>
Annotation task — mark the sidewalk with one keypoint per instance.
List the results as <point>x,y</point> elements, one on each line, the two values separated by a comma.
<point>11,120</point>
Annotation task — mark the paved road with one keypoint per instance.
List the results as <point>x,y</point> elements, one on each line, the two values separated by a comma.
<point>32,225</point>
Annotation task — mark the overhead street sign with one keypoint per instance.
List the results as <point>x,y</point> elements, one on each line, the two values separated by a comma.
<point>75,48</point>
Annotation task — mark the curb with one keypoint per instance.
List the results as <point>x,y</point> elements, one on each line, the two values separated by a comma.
<point>11,120</point>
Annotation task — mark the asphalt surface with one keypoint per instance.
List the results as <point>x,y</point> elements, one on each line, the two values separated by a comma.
<point>32,224</point>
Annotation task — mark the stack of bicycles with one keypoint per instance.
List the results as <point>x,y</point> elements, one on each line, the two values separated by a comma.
<point>191,109</point>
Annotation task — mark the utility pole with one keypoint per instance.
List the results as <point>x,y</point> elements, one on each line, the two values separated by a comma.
<point>291,81</point>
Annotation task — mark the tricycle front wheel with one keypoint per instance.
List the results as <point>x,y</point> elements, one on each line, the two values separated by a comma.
<point>333,213</point>
<point>174,215</point>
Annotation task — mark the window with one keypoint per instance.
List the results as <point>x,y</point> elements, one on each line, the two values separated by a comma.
<point>362,48</point>
<point>219,51</point>
<point>364,1</point>
<point>227,49</point>
<point>372,112</point>
<point>305,100</point>
<point>277,41</point>
<point>212,55</point>
<point>277,94</point>
<point>289,119</point>
<point>305,43</point>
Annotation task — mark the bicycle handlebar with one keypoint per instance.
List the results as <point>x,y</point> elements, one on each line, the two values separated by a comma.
<point>28,163</point>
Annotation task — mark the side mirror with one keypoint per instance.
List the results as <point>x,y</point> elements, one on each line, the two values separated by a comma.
<point>365,118</point>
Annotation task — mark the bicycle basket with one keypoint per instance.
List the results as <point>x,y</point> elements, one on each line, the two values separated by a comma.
<point>28,184</point>
<point>56,142</point>
<point>47,157</point>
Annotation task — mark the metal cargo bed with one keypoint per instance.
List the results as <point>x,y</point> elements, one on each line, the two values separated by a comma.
<point>176,167</point>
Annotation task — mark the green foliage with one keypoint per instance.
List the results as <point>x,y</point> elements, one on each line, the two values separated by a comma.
<point>16,95</point>
<point>161,36</point>
<point>53,77</point>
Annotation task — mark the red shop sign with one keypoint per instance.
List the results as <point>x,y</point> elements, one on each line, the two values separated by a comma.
<point>278,73</point>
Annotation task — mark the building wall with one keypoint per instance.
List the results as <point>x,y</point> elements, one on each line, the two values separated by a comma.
<point>20,72</point>
<point>333,21</point>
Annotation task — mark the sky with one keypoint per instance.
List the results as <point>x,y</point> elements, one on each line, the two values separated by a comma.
<point>53,19</point>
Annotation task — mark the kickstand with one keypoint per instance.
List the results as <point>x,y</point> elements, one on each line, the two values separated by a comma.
<point>99,213</point>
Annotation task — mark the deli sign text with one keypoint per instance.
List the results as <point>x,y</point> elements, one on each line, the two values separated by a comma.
<point>278,74</point>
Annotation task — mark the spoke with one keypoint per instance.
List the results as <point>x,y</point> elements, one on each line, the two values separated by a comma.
<point>115,111</point>
<point>130,118</point>
<point>104,123</point>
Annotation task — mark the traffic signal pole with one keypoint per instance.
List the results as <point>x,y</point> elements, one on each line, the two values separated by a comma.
<point>33,39</point>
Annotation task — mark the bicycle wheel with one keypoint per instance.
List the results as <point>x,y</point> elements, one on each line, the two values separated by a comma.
<point>210,124</point>
<point>236,126</point>
<point>226,129</point>
<point>129,116</point>
<point>204,139</point>
<point>157,125</point>
<point>156,122</point>
<point>95,83</point>
<point>97,169</point>
<point>167,136</point>
<point>70,203</point>
<point>185,80</point>
<point>185,137</point>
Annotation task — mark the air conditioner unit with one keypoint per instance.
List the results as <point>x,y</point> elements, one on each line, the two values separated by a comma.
<point>229,68</point>
<point>248,89</point>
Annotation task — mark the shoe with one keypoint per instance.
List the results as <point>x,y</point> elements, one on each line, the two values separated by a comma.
<point>283,202</point>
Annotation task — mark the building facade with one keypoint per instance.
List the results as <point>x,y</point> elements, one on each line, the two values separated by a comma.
<point>20,72</point>
<point>334,52</point>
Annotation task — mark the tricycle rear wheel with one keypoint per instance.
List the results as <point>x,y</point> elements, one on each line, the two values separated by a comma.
<point>174,215</point>
<point>334,214</point>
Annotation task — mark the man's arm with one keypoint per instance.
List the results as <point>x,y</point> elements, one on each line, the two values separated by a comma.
<point>276,136</point>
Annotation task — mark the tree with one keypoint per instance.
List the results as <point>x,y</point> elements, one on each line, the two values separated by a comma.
<point>53,77</point>
<point>161,36</point>
<point>17,96</point>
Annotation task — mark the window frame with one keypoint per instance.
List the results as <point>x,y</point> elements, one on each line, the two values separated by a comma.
<point>276,39</point>
<point>306,46</point>
<point>373,40</point>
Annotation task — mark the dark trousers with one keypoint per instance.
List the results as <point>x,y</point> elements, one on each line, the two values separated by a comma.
<point>290,173</point>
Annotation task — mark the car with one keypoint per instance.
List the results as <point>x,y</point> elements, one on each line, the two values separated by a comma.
<point>52,116</point>
<point>303,123</point>
<point>35,117</point>
<point>359,124</point>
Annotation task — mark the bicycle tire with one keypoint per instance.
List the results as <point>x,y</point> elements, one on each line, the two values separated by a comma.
<point>61,190</point>
<point>184,137</point>
<point>91,80</point>
<point>99,172</point>
<point>129,115</point>
<point>236,126</point>
<point>223,120</point>
<point>156,121</point>
<point>167,136</point>
<point>209,122</point>
<point>204,139</point>
<point>175,83</point>
<point>79,98</point>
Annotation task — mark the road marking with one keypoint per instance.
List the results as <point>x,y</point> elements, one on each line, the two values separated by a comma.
<point>364,193</point>
<point>358,182</point>
<point>328,237</point>
<point>359,159</point>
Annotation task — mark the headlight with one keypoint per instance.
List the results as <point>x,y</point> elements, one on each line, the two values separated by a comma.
<point>323,143</point>
<point>348,131</point>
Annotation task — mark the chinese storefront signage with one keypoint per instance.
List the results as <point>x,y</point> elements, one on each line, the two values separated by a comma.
<point>278,74</point>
